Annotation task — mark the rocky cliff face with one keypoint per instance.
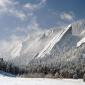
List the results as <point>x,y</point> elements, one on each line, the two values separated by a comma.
<point>53,45</point>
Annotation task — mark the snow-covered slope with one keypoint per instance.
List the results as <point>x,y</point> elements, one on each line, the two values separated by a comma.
<point>54,44</point>
<point>15,51</point>
<point>38,81</point>
<point>33,45</point>
<point>54,41</point>
<point>5,74</point>
<point>8,79</point>
<point>50,43</point>
<point>36,43</point>
<point>10,50</point>
<point>81,42</point>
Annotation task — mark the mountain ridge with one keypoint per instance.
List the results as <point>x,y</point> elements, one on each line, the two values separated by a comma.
<point>52,43</point>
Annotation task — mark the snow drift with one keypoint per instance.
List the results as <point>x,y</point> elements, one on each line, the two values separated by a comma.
<point>6,80</point>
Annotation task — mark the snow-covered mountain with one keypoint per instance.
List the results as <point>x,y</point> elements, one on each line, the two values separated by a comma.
<point>51,44</point>
<point>32,46</point>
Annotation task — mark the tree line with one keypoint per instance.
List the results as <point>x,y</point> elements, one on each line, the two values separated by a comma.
<point>10,68</point>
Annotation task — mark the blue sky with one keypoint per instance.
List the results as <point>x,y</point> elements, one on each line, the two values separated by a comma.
<point>20,17</point>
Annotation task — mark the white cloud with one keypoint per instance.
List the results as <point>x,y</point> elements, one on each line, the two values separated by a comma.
<point>33,24</point>
<point>18,14</point>
<point>32,27</point>
<point>8,47</point>
<point>9,7</point>
<point>67,16</point>
<point>44,1</point>
<point>31,6</point>
<point>34,7</point>
<point>21,15</point>
<point>4,3</point>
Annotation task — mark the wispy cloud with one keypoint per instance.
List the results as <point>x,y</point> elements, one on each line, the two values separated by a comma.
<point>4,3</point>
<point>19,14</point>
<point>7,47</point>
<point>23,12</point>
<point>32,27</point>
<point>10,7</point>
<point>34,7</point>
<point>67,16</point>
<point>15,10</point>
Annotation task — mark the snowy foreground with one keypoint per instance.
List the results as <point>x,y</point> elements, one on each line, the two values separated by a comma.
<point>8,79</point>
<point>39,81</point>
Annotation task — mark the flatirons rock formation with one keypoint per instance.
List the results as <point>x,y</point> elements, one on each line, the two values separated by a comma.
<point>57,44</point>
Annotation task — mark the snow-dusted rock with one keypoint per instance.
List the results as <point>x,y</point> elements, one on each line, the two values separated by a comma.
<point>54,41</point>
<point>81,42</point>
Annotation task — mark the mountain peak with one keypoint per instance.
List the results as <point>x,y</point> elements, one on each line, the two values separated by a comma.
<point>54,41</point>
